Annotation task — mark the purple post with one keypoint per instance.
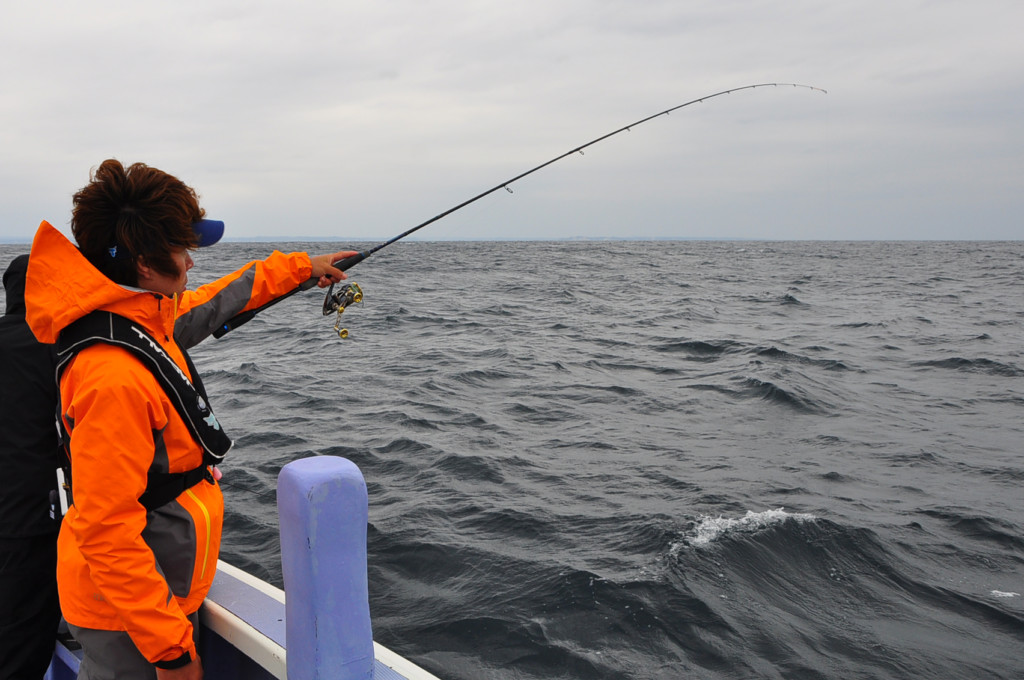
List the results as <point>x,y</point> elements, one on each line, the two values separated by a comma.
<point>322,505</point>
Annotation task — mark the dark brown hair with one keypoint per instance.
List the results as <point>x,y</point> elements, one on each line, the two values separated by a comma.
<point>124,214</point>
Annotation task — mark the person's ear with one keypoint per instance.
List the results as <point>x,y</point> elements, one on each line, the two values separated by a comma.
<point>142,269</point>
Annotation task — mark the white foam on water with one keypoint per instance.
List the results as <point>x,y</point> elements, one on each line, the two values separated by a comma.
<point>709,529</point>
<point>1000,593</point>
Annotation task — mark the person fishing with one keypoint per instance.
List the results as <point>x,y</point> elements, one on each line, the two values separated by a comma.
<point>138,546</point>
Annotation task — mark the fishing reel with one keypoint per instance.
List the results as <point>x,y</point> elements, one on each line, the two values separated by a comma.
<point>337,302</point>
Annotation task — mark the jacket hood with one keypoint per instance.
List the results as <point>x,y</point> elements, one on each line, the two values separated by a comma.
<point>14,285</point>
<point>62,287</point>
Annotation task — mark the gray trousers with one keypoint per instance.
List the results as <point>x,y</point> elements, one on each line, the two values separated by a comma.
<point>111,654</point>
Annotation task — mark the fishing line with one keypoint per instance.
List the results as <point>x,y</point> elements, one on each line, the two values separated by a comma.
<point>337,302</point>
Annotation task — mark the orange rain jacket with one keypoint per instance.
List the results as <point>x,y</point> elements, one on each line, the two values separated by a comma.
<point>119,568</point>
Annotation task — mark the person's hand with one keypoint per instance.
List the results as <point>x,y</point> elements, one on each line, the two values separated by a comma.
<point>193,671</point>
<point>324,270</point>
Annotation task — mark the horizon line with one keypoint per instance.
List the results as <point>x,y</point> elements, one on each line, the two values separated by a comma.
<point>499,239</point>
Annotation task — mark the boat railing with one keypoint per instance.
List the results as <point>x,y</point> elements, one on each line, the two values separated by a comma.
<point>321,629</point>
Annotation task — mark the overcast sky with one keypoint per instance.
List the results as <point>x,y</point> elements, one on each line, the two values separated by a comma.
<point>357,120</point>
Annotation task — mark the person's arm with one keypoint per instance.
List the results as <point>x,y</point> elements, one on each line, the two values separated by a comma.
<point>206,309</point>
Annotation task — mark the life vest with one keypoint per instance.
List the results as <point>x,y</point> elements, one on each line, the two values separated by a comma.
<point>188,397</point>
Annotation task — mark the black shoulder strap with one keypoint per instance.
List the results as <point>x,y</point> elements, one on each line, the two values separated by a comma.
<point>189,397</point>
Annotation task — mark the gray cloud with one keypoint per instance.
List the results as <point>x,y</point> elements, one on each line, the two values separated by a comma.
<point>358,120</point>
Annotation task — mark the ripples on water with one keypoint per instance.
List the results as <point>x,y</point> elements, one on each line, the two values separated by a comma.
<point>658,459</point>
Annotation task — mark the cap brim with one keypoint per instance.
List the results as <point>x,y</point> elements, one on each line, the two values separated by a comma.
<point>208,231</point>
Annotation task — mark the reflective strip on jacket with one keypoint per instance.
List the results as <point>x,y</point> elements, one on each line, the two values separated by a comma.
<point>119,567</point>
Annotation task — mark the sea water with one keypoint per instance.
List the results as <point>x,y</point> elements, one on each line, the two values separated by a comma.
<point>684,459</point>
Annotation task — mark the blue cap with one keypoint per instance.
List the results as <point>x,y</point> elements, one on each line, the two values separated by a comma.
<point>208,231</point>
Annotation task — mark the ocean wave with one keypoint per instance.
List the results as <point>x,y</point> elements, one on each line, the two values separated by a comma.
<point>783,355</point>
<point>470,468</point>
<point>771,392</point>
<point>706,349</point>
<point>980,528</point>
<point>709,529</point>
<point>980,365</point>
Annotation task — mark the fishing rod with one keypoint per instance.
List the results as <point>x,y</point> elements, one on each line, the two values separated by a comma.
<point>352,293</point>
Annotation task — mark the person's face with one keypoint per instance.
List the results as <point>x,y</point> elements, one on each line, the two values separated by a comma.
<point>150,279</point>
